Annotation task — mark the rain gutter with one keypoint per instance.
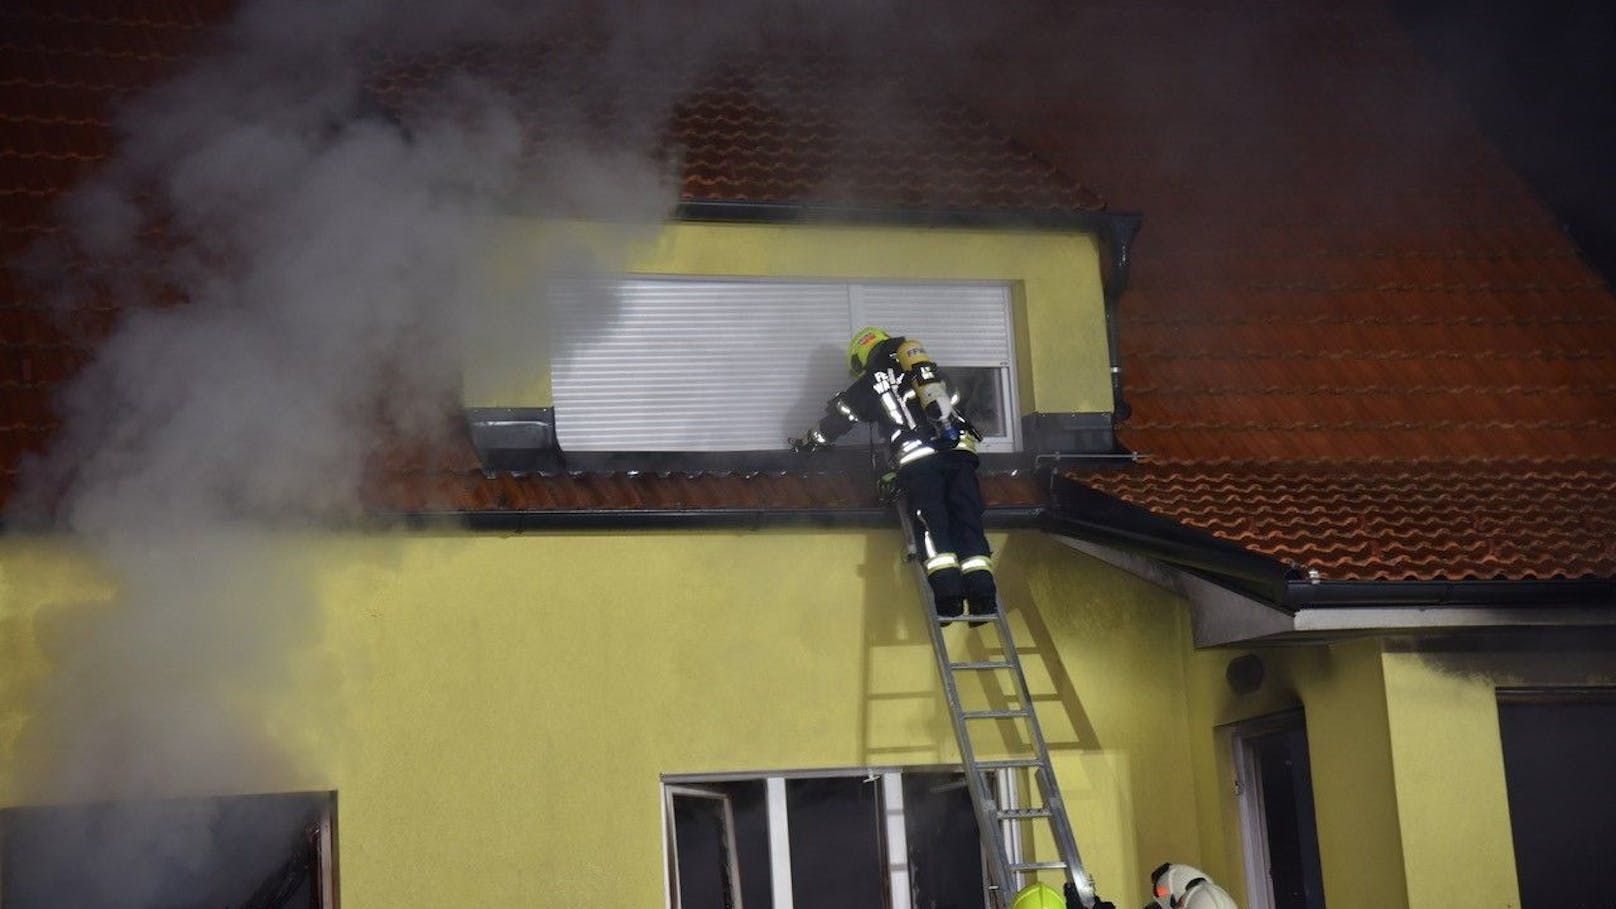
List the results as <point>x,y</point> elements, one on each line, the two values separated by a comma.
<point>627,519</point>
<point>1083,513</point>
<point>1101,222</point>
<point>1367,594</point>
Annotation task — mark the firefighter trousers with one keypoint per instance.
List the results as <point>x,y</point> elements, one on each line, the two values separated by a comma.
<point>943,491</point>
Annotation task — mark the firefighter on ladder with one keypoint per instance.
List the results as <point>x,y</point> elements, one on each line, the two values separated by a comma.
<point>932,451</point>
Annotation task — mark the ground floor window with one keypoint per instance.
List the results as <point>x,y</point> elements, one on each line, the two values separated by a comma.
<point>245,852</point>
<point>904,839</point>
<point>1560,774</point>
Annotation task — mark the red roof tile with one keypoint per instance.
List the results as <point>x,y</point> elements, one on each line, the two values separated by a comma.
<point>1412,520</point>
<point>815,127</point>
<point>1353,338</point>
<point>786,124</point>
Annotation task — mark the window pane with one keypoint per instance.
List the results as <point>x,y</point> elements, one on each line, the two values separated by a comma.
<point>248,850</point>
<point>1561,782</point>
<point>837,857</point>
<point>945,850</point>
<point>980,397</point>
<point>697,826</point>
<point>704,853</point>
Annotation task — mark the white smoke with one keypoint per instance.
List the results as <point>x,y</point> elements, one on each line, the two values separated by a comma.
<point>297,265</point>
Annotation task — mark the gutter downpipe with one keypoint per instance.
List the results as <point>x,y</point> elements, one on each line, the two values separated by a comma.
<point>1116,242</point>
<point>1555,592</point>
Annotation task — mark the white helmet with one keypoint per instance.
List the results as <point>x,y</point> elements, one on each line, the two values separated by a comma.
<point>1187,887</point>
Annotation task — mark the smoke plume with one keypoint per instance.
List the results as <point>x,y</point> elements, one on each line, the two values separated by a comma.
<point>295,237</point>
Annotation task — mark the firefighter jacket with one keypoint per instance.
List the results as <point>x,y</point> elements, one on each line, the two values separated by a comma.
<point>908,399</point>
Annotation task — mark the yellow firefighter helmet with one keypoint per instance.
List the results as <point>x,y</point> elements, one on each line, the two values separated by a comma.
<point>862,345</point>
<point>1039,896</point>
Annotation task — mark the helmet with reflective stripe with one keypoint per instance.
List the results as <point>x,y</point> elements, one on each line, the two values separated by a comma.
<point>862,345</point>
<point>1039,896</point>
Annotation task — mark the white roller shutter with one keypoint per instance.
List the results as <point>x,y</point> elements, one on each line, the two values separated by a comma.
<point>693,365</point>
<point>960,324</point>
<point>673,364</point>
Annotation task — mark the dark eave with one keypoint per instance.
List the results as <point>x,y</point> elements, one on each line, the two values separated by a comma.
<point>1241,597</point>
<point>1083,513</point>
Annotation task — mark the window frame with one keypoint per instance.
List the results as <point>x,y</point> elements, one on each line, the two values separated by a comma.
<point>894,839</point>
<point>322,865</point>
<point>731,847</point>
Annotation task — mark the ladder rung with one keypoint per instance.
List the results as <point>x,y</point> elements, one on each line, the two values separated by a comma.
<point>1037,866</point>
<point>1023,814</point>
<point>1009,764</point>
<point>980,664</point>
<point>946,620</point>
<point>992,714</point>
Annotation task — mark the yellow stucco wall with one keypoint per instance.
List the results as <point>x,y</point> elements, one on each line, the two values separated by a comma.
<point>496,713</point>
<point>1063,359</point>
<point>1452,804</point>
<point>1341,690</point>
<point>1407,763</point>
<point>1448,756</point>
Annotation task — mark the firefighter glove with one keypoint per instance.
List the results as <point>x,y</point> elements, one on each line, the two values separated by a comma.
<point>886,488</point>
<point>813,441</point>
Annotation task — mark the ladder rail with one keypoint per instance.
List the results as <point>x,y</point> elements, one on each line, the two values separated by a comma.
<point>989,817</point>
<point>1065,838</point>
<point>981,800</point>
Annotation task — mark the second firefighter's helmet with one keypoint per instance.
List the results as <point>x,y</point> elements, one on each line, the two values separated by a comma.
<point>864,343</point>
<point>1177,886</point>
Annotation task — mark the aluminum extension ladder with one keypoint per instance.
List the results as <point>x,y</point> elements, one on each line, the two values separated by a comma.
<point>999,826</point>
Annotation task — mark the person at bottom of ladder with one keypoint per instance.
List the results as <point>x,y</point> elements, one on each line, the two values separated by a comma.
<point>1175,886</point>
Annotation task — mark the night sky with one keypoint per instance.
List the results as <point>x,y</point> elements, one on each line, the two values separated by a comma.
<point>1541,79</point>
